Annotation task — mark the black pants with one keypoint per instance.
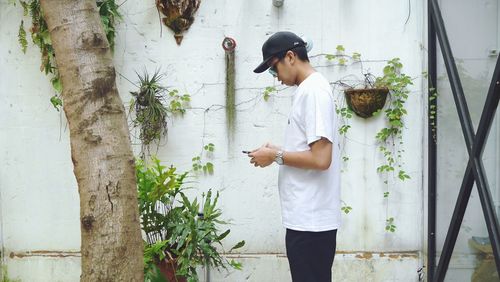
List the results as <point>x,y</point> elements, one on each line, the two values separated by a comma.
<point>310,255</point>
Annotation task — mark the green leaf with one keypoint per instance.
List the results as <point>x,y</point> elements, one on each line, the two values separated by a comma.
<point>56,102</point>
<point>402,175</point>
<point>186,98</point>
<point>235,264</point>
<point>396,123</point>
<point>223,235</point>
<point>267,92</point>
<point>340,48</point>
<point>377,112</point>
<point>210,168</point>
<point>56,83</point>
<point>45,35</point>
<point>238,245</point>
<point>346,209</point>
<point>266,97</point>
<point>211,147</point>
<point>21,36</point>
<point>330,57</point>
<point>270,89</point>
<point>105,23</point>
<point>25,7</point>
<point>343,129</point>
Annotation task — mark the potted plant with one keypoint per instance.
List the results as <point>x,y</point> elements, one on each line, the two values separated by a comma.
<point>370,98</point>
<point>367,97</point>
<point>181,234</point>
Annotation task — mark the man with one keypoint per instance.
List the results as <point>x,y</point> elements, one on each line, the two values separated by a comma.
<point>309,174</point>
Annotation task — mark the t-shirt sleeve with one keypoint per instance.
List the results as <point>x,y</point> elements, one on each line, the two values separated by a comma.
<point>319,115</point>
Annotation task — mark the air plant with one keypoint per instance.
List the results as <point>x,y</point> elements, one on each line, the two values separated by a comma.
<point>150,111</point>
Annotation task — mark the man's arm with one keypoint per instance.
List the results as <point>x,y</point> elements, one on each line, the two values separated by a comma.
<point>319,157</point>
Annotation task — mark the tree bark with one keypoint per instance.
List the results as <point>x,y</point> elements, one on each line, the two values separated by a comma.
<point>104,167</point>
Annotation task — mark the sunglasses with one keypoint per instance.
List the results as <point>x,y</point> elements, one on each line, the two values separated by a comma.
<point>280,56</point>
<point>272,69</point>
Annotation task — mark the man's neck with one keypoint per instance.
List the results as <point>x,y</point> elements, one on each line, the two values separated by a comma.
<point>304,72</point>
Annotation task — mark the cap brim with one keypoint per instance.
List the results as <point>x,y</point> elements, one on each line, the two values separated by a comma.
<point>263,66</point>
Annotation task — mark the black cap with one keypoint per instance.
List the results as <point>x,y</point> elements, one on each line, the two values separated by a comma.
<point>278,42</point>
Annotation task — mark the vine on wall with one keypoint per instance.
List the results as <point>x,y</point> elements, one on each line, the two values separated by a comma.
<point>389,138</point>
<point>108,11</point>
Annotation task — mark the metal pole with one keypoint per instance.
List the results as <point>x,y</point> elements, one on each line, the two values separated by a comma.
<point>432,144</point>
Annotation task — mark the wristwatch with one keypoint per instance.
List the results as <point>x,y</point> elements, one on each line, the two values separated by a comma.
<point>279,158</point>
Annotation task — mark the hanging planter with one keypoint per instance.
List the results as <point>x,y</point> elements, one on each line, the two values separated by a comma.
<point>365,102</point>
<point>179,15</point>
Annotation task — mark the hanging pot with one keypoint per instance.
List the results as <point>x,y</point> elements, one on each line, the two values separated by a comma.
<point>365,102</point>
<point>178,15</point>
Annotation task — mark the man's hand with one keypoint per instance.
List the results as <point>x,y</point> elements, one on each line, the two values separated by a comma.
<point>264,156</point>
<point>271,146</point>
<point>319,157</point>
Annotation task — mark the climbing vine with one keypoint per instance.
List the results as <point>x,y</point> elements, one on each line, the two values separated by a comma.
<point>389,138</point>
<point>398,83</point>
<point>108,11</point>
<point>198,162</point>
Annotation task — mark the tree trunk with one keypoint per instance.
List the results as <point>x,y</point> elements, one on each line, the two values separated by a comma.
<point>104,167</point>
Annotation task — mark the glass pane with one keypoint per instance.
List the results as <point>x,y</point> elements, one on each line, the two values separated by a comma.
<point>491,161</point>
<point>451,163</point>
<point>474,44</point>
<point>472,29</point>
<point>472,258</point>
<point>452,158</point>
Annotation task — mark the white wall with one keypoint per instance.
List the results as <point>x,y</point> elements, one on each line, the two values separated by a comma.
<point>39,199</point>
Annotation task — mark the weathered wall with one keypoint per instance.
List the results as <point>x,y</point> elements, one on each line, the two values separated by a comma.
<point>39,199</point>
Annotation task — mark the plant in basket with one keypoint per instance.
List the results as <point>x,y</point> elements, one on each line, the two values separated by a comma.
<point>385,96</point>
<point>364,101</point>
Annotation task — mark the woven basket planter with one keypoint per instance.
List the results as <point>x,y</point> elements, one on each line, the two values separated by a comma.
<point>365,102</point>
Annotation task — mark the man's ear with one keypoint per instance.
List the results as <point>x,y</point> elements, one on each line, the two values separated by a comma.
<point>291,55</point>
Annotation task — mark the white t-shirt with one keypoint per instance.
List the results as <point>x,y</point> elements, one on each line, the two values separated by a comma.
<point>310,199</point>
